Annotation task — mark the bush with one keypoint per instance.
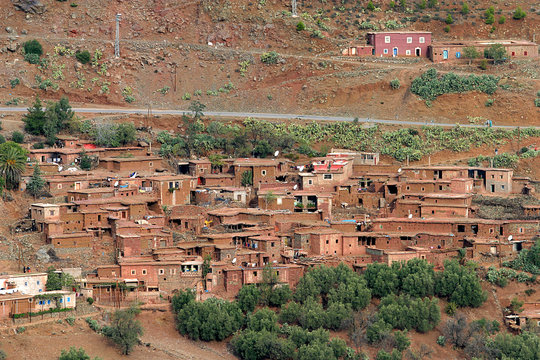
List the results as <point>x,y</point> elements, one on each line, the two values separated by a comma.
<point>17,137</point>
<point>70,320</point>
<point>405,313</point>
<point>14,82</point>
<point>21,329</point>
<point>33,47</point>
<point>271,57</point>
<point>90,300</point>
<point>38,145</point>
<point>465,8</point>
<point>483,64</point>
<point>449,19</point>
<point>300,26</point>
<point>248,297</point>
<point>451,308</point>
<point>394,84</point>
<point>519,13</point>
<point>83,57</point>
<point>441,340</point>
<point>370,6</point>
<point>93,324</point>
<point>537,102</point>
<point>489,102</point>
<point>502,19</point>
<point>447,28</point>
<point>181,299</point>
<point>497,52</point>
<point>460,285</point>
<point>429,85</point>
<point>31,58</point>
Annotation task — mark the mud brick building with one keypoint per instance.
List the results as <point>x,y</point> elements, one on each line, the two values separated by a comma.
<point>453,50</point>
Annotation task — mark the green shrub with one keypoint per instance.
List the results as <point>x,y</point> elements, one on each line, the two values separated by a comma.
<point>441,340</point>
<point>489,102</point>
<point>33,47</point>
<point>502,19</point>
<point>519,13</point>
<point>83,57</point>
<point>271,57</point>
<point>14,82</point>
<point>395,84</point>
<point>186,96</point>
<point>483,64</point>
<point>70,320</point>
<point>31,58</point>
<point>447,28</point>
<point>537,102</point>
<point>73,5</point>
<point>450,308</point>
<point>465,8</point>
<point>449,19</point>
<point>429,85</point>
<point>90,300</point>
<point>17,137</point>
<point>21,329</point>
<point>94,325</point>
<point>300,26</point>
<point>370,6</point>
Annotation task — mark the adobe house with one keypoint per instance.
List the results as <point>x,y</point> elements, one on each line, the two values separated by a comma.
<point>187,218</point>
<point>234,277</point>
<point>15,303</point>
<point>357,50</point>
<point>173,189</point>
<point>399,43</point>
<point>359,158</point>
<point>215,180</point>
<point>131,164</point>
<point>64,156</point>
<point>67,141</point>
<point>61,299</point>
<point>71,240</point>
<point>453,50</point>
<point>264,170</point>
<point>327,173</point>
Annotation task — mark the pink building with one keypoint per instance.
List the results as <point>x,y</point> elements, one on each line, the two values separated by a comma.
<point>407,43</point>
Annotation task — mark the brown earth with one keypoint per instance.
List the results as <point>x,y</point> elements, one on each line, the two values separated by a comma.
<point>166,44</point>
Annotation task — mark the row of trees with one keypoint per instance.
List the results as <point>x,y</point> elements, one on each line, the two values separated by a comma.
<point>459,284</point>
<point>49,122</point>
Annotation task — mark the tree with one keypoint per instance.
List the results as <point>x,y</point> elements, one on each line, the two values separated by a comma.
<point>17,137</point>
<point>449,19</point>
<point>370,6</point>
<point>206,267</point>
<point>37,183</point>
<point>269,197</point>
<point>465,8</point>
<point>401,340</point>
<point>497,52</point>
<point>35,118</point>
<point>75,354</point>
<point>124,329</point>
<point>216,160</point>
<point>12,163</point>
<point>519,13</point>
<point>248,297</point>
<point>181,299</point>
<point>381,279</point>
<point>470,52</point>
<point>197,108</point>
<point>300,26</point>
<point>516,306</point>
<point>58,281</point>
<point>262,320</point>
<point>86,161</point>
<point>126,133</point>
<point>460,285</point>
<point>247,178</point>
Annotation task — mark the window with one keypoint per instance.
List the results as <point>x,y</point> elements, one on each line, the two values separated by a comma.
<point>407,52</point>
<point>272,244</point>
<point>310,182</point>
<point>423,189</point>
<point>51,212</point>
<point>337,241</point>
<point>409,41</point>
<point>59,186</point>
<point>133,272</point>
<point>254,273</point>
<point>387,39</point>
<point>421,40</point>
<point>327,177</point>
<point>263,172</point>
<point>68,299</point>
<point>521,230</point>
<point>408,187</point>
<point>501,177</point>
<point>38,282</point>
<point>502,187</point>
<point>144,271</point>
<point>25,283</point>
<point>461,228</point>
<point>327,241</point>
<point>171,185</point>
<point>279,201</point>
<point>151,164</point>
<point>525,53</point>
<point>385,51</point>
<point>161,271</point>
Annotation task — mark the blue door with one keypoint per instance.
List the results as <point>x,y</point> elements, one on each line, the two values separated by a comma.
<point>445,54</point>
<point>395,51</point>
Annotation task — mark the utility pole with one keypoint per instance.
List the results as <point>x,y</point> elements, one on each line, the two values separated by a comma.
<point>294,9</point>
<point>117,41</point>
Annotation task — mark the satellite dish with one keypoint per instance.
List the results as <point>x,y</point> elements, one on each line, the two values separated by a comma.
<point>399,170</point>
<point>275,261</point>
<point>253,265</point>
<point>234,261</point>
<point>410,216</point>
<point>276,153</point>
<point>510,238</point>
<point>116,184</point>
<point>295,186</point>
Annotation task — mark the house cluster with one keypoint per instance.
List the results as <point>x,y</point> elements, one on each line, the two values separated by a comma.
<point>25,294</point>
<point>216,227</point>
<point>419,44</point>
